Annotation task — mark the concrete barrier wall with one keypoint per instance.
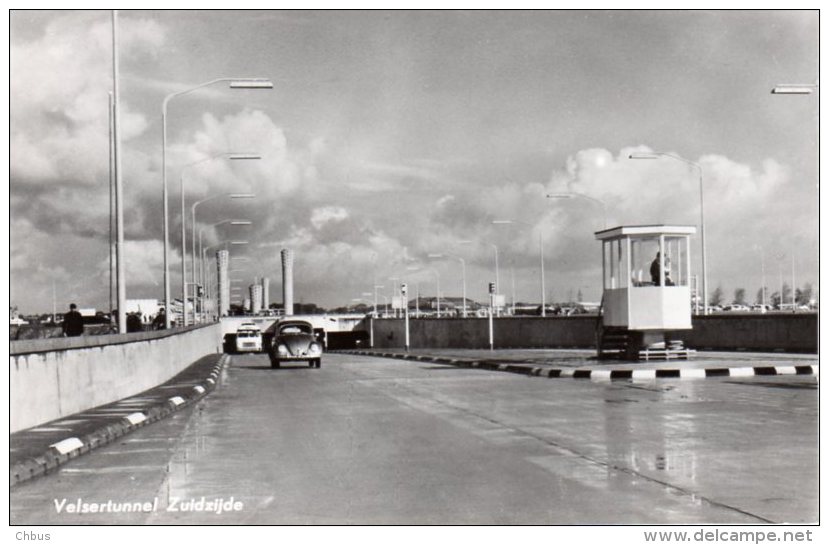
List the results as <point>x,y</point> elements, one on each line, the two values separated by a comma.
<point>762,332</point>
<point>53,378</point>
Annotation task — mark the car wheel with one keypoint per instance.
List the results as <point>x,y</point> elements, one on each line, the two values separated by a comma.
<point>317,363</point>
<point>274,364</point>
<point>310,363</point>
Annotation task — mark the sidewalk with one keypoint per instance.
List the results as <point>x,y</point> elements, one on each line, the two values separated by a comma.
<point>39,450</point>
<point>564,363</point>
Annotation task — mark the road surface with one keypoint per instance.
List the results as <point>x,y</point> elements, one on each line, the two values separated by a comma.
<point>373,441</point>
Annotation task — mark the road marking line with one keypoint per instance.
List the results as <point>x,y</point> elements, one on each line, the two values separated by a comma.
<point>176,400</point>
<point>133,451</point>
<point>67,445</point>
<point>692,373</point>
<point>199,388</point>
<point>741,371</point>
<point>135,418</point>
<point>786,370</point>
<point>644,373</point>
<point>600,374</point>
<point>101,470</point>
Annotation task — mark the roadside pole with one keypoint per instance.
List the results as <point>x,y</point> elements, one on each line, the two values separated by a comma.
<point>371,330</point>
<point>491,311</point>
<point>404,289</point>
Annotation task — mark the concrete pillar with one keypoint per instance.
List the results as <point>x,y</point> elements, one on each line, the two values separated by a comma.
<point>222,260</point>
<point>256,298</point>
<point>266,297</point>
<point>288,281</point>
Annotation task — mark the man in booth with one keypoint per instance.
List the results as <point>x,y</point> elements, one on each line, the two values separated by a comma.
<point>655,271</point>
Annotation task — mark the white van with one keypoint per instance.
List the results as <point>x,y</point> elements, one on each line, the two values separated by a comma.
<point>248,338</point>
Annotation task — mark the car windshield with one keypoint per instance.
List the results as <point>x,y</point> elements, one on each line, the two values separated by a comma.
<point>294,329</point>
<point>247,333</point>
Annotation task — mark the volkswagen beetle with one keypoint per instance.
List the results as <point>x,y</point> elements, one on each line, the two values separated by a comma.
<point>294,340</point>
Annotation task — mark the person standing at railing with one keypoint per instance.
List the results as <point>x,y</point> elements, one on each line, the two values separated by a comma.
<point>72,322</point>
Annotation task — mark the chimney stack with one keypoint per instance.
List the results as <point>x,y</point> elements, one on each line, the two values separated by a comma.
<point>222,259</point>
<point>288,281</point>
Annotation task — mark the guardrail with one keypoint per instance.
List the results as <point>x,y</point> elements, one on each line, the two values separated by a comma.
<point>49,344</point>
<point>56,377</point>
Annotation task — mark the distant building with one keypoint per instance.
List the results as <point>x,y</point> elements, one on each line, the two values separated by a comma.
<point>146,308</point>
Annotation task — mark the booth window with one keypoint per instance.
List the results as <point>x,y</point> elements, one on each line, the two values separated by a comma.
<point>644,252</point>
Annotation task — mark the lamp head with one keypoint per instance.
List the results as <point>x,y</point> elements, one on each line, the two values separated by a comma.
<point>643,155</point>
<point>251,83</point>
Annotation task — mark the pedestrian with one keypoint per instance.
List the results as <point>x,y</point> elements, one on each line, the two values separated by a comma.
<point>72,322</point>
<point>160,321</point>
<point>134,322</point>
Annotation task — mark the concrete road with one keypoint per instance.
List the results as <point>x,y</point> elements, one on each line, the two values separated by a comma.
<point>369,441</point>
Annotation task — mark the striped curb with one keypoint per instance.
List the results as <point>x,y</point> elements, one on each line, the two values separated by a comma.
<point>61,452</point>
<point>605,374</point>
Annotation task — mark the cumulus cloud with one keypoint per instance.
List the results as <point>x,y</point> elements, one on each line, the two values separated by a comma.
<point>633,192</point>
<point>144,263</point>
<point>327,214</point>
<point>59,114</point>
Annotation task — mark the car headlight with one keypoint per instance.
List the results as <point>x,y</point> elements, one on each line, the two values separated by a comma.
<point>314,348</point>
<point>282,350</point>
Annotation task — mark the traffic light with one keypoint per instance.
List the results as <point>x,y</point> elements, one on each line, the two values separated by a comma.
<point>492,288</point>
<point>200,291</point>
<point>404,288</point>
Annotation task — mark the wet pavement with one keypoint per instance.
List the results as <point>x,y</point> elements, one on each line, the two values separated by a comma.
<point>366,440</point>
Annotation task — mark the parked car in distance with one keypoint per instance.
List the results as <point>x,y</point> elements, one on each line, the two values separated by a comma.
<point>736,308</point>
<point>294,340</point>
<point>248,338</point>
<point>761,308</point>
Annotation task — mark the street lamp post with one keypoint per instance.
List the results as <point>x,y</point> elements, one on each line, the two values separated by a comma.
<point>376,287</point>
<point>463,273</point>
<point>394,280</point>
<point>235,83</point>
<point>495,247</point>
<point>497,275</point>
<point>193,208</point>
<point>762,276</point>
<point>118,190</point>
<point>582,196</point>
<point>230,156</point>
<point>656,155</point>
<point>541,252</point>
<point>201,253</point>
<point>372,318</point>
<point>404,291</point>
<point>437,283</point>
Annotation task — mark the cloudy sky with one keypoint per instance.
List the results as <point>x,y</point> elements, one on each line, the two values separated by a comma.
<point>392,135</point>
